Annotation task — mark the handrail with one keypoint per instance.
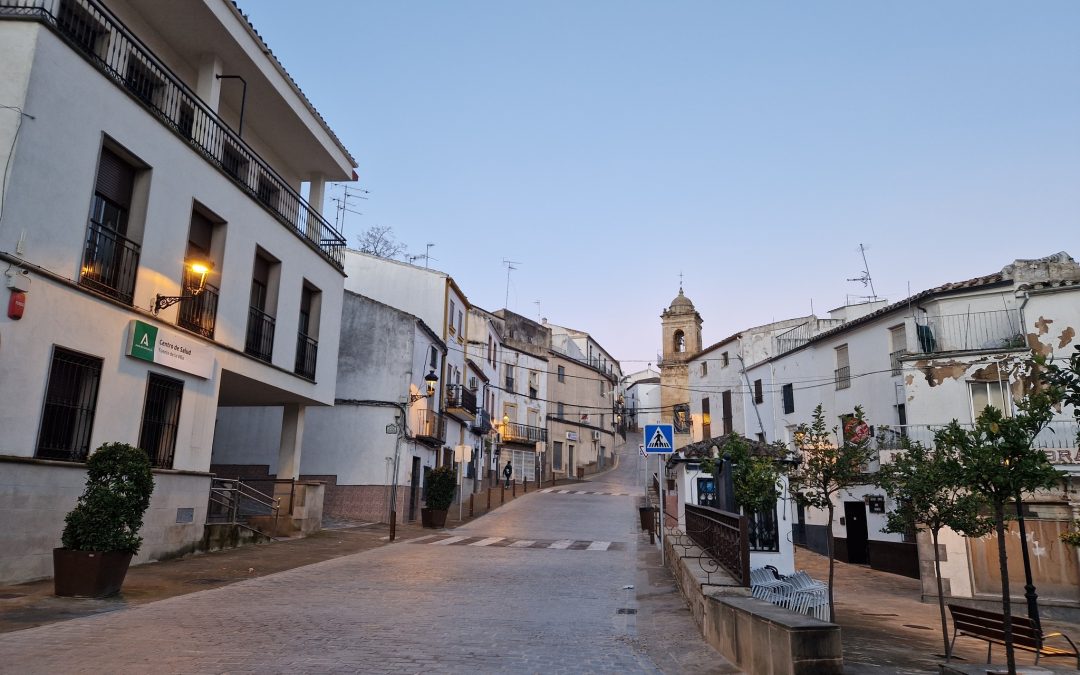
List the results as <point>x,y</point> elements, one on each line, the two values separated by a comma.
<point>723,536</point>
<point>230,492</point>
<point>131,65</point>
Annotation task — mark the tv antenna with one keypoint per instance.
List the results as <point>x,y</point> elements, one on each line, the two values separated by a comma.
<point>537,303</point>
<point>509,268</point>
<point>344,203</point>
<point>426,255</point>
<point>865,279</point>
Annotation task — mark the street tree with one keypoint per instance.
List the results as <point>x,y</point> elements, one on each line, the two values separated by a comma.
<point>833,459</point>
<point>379,240</point>
<point>1066,380</point>
<point>928,487</point>
<point>999,464</point>
<point>756,477</point>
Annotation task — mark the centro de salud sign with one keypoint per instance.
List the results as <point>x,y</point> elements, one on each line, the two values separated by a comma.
<point>166,348</point>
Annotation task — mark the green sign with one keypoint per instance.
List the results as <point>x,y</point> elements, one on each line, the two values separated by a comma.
<point>143,341</point>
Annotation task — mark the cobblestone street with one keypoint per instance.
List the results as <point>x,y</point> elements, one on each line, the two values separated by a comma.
<point>552,582</point>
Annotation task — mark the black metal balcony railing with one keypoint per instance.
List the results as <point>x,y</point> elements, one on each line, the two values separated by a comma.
<point>459,397</point>
<point>523,433</point>
<point>199,314</point>
<point>482,424</point>
<point>843,377</point>
<point>307,351</point>
<point>110,262</point>
<point>973,331</point>
<point>121,56</point>
<point>430,426</point>
<point>260,335</point>
<point>894,361</point>
<point>724,537</point>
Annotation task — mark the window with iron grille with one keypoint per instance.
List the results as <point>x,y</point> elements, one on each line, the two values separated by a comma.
<point>706,419</point>
<point>161,418</point>
<point>110,258</point>
<point>789,398</point>
<point>199,313</point>
<point>727,418</point>
<point>759,394</point>
<point>70,401</point>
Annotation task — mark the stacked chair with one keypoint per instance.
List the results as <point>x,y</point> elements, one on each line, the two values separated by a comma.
<point>797,593</point>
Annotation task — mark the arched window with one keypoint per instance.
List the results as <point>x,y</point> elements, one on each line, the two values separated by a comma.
<point>680,341</point>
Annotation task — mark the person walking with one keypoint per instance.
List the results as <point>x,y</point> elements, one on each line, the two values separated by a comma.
<point>508,471</point>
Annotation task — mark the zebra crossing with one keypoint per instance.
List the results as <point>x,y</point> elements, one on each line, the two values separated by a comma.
<point>557,491</point>
<point>507,542</point>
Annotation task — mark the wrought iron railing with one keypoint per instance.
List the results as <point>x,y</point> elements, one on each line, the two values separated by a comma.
<point>110,262</point>
<point>260,335</point>
<point>307,351</point>
<point>482,424</point>
<point>233,501</point>
<point>430,426</point>
<point>1058,435</point>
<point>199,314</point>
<point>842,377</point>
<point>522,433</point>
<point>723,537</point>
<point>458,396</point>
<point>100,37</point>
<point>968,332</point>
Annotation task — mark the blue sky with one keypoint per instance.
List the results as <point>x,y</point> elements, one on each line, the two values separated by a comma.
<point>607,146</point>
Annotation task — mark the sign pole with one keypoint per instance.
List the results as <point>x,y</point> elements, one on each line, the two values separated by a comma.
<point>660,478</point>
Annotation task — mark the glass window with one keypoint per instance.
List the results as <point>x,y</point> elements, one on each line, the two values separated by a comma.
<point>985,394</point>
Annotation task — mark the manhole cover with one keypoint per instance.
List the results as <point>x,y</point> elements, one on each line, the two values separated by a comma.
<point>914,625</point>
<point>10,596</point>
<point>206,581</point>
<point>625,610</point>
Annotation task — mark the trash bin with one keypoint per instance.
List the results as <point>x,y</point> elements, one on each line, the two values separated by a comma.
<point>646,513</point>
<point>581,473</point>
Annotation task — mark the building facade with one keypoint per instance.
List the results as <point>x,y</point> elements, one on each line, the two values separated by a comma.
<point>681,333</point>
<point>173,272</point>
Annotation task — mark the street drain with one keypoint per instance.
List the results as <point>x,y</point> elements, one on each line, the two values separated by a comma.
<point>625,610</point>
<point>913,625</point>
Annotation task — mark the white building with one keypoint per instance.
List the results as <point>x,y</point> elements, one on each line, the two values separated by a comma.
<point>522,403</point>
<point>641,399</point>
<point>127,164</point>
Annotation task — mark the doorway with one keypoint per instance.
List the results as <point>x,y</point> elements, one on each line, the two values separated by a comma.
<point>414,487</point>
<point>855,516</point>
<point>570,464</point>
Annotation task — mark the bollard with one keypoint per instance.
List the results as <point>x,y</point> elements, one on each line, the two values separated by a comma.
<point>513,489</point>
<point>471,507</point>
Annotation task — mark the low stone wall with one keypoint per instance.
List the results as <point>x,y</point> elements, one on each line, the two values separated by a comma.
<point>758,637</point>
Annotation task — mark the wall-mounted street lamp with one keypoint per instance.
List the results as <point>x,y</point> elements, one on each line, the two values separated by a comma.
<point>431,378</point>
<point>197,280</point>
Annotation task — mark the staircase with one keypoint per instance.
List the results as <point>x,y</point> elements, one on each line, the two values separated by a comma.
<point>238,514</point>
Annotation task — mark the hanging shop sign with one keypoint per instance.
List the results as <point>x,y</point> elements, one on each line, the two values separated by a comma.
<point>171,350</point>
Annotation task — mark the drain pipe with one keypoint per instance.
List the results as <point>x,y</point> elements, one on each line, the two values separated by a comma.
<point>757,412</point>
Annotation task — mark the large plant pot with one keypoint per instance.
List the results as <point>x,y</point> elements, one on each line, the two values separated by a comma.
<point>433,517</point>
<point>89,574</point>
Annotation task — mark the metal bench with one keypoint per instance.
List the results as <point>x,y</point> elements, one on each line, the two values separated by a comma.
<point>990,626</point>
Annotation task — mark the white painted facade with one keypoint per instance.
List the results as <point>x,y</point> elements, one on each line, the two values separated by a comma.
<point>73,114</point>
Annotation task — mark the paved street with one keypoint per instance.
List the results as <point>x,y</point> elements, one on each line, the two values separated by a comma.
<point>558,581</point>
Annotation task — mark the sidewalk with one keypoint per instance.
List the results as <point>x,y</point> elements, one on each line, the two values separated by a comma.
<point>887,629</point>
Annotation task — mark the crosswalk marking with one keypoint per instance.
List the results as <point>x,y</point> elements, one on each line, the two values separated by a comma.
<point>448,541</point>
<point>486,542</point>
<point>598,546</point>
<point>562,543</point>
<point>419,539</point>
<point>522,543</point>
<point>584,492</point>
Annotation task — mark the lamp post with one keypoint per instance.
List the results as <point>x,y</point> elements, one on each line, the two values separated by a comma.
<point>1029,585</point>
<point>199,268</point>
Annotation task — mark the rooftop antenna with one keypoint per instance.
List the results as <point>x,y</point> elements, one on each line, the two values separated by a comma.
<point>342,203</point>
<point>509,267</point>
<point>537,303</point>
<point>426,255</point>
<point>865,278</point>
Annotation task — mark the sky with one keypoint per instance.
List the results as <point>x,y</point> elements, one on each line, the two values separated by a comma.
<point>608,147</point>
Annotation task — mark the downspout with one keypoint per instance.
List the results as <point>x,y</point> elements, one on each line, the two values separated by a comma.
<point>757,412</point>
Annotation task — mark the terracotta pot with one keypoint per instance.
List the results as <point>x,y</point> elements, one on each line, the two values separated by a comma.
<point>89,574</point>
<point>433,517</point>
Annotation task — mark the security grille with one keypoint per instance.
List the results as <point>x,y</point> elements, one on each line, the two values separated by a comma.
<point>70,401</point>
<point>161,416</point>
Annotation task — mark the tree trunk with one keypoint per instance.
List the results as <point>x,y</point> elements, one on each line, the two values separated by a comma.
<point>1006,600</point>
<point>832,563</point>
<point>940,592</point>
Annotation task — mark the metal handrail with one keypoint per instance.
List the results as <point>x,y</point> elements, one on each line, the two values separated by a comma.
<point>130,64</point>
<point>230,492</point>
<point>723,536</point>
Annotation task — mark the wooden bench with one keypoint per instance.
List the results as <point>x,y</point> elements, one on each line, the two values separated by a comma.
<point>990,626</point>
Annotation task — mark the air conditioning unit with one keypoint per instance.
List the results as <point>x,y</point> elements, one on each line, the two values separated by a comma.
<point>596,435</point>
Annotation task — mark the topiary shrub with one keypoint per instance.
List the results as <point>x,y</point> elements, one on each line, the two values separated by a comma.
<point>441,485</point>
<point>110,511</point>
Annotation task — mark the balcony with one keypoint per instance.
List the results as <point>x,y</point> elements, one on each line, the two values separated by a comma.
<point>199,314</point>
<point>95,33</point>
<point>974,331</point>
<point>522,434</point>
<point>842,377</point>
<point>110,262</point>
<point>895,363</point>
<point>482,424</point>
<point>260,335</point>
<point>430,427</point>
<point>1059,435</point>
<point>307,351</point>
<point>460,402</point>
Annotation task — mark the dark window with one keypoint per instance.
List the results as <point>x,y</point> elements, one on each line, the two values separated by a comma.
<point>762,531</point>
<point>706,419</point>
<point>307,346</point>
<point>199,313</point>
<point>681,418</point>
<point>556,455</point>
<point>260,328</point>
<point>78,25</point>
<point>559,411</point>
<point>234,163</point>
<point>789,398</point>
<point>268,192</point>
<point>759,395</point>
<point>186,120</point>
<point>142,81</point>
<point>725,404</point>
<point>110,259</point>
<point>562,374</point>
<point>161,418</point>
<point>70,400</point>
<point>724,359</point>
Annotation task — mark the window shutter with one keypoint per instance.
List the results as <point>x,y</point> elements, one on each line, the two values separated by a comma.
<point>115,178</point>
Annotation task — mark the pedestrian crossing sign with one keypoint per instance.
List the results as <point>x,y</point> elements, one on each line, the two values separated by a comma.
<point>659,438</point>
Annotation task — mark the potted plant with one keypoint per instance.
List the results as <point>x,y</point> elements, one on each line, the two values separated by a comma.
<point>440,494</point>
<point>102,532</point>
